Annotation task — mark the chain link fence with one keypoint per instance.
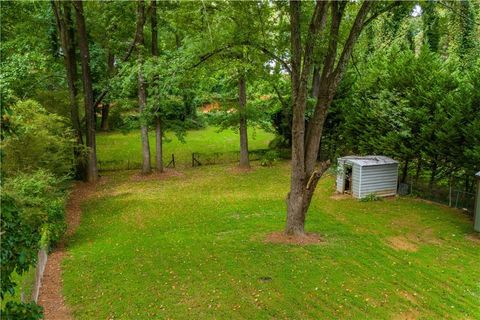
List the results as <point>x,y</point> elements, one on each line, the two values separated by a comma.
<point>449,195</point>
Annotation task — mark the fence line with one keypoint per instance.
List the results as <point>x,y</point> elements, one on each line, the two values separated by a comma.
<point>449,195</point>
<point>197,159</point>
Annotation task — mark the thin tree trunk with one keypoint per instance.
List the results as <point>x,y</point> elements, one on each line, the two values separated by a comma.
<point>106,106</point>
<point>405,170</point>
<point>433,175</point>
<point>92,173</point>
<point>419,169</point>
<point>159,144</point>
<point>242,102</point>
<point>158,120</point>
<point>105,112</point>
<point>67,39</point>
<point>142,89</point>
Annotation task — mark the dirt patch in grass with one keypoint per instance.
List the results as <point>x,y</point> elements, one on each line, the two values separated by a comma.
<point>51,298</point>
<point>411,241</point>
<point>475,237</point>
<point>155,175</point>
<point>409,296</point>
<point>340,196</point>
<point>408,315</point>
<point>282,238</point>
<point>402,243</point>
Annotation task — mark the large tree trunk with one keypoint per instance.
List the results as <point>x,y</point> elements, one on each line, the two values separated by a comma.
<point>92,173</point>
<point>142,89</point>
<point>305,143</point>
<point>242,109</point>
<point>67,39</point>
<point>158,120</point>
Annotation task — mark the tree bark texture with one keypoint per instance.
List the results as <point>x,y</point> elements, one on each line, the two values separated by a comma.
<point>242,109</point>
<point>92,173</point>
<point>142,89</point>
<point>67,39</point>
<point>306,141</point>
<point>158,120</point>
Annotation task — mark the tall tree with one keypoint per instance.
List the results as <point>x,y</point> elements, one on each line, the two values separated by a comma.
<point>306,141</point>
<point>63,17</point>
<point>158,120</point>
<point>142,87</point>
<point>92,173</point>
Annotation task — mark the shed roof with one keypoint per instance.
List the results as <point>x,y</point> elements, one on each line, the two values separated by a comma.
<point>369,160</point>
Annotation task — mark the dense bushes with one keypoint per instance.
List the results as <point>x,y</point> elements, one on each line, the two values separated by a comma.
<point>37,140</point>
<point>37,160</point>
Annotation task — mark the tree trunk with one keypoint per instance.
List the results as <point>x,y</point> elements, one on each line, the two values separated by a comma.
<point>419,169</point>
<point>405,170</point>
<point>106,106</point>
<point>92,173</point>
<point>105,111</point>
<point>158,120</point>
<point>305,145</point>
<point>142,89</point>
<point>159,146</point>
<point>67,39</point>
<point>316,82</point>
<point>242,103</point>
<point>433,175</point>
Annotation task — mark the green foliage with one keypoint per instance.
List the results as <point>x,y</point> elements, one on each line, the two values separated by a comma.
<point>40,197</point>
<point>22,311</point>
<point>20,241</point>
<point>269,158</point>
<point>370,197</point>
<point>32,217</point>
<point>38,140</point>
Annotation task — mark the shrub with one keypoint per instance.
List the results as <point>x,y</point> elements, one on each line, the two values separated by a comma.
<point>40,196</point>
<point>371,197</point>
<point>37,140</point>
<point>32,217</point>
<point>22,311</point>
<point>269,158</point>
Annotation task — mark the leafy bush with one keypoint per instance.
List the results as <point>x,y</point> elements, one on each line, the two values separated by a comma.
<point>41,197</point>
<point>269,158</point>
<point>37,140</point>
<point>370,197</point>
<point>22,311</point>
<point>20,242</point>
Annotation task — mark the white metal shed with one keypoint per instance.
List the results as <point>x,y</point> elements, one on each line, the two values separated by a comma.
<point>362,176</point>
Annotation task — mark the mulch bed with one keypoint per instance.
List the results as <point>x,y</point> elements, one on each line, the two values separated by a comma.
<point>51,297</point>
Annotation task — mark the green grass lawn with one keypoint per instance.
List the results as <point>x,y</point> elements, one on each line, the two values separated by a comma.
<point>117,146</point>
<point>191,246</point>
